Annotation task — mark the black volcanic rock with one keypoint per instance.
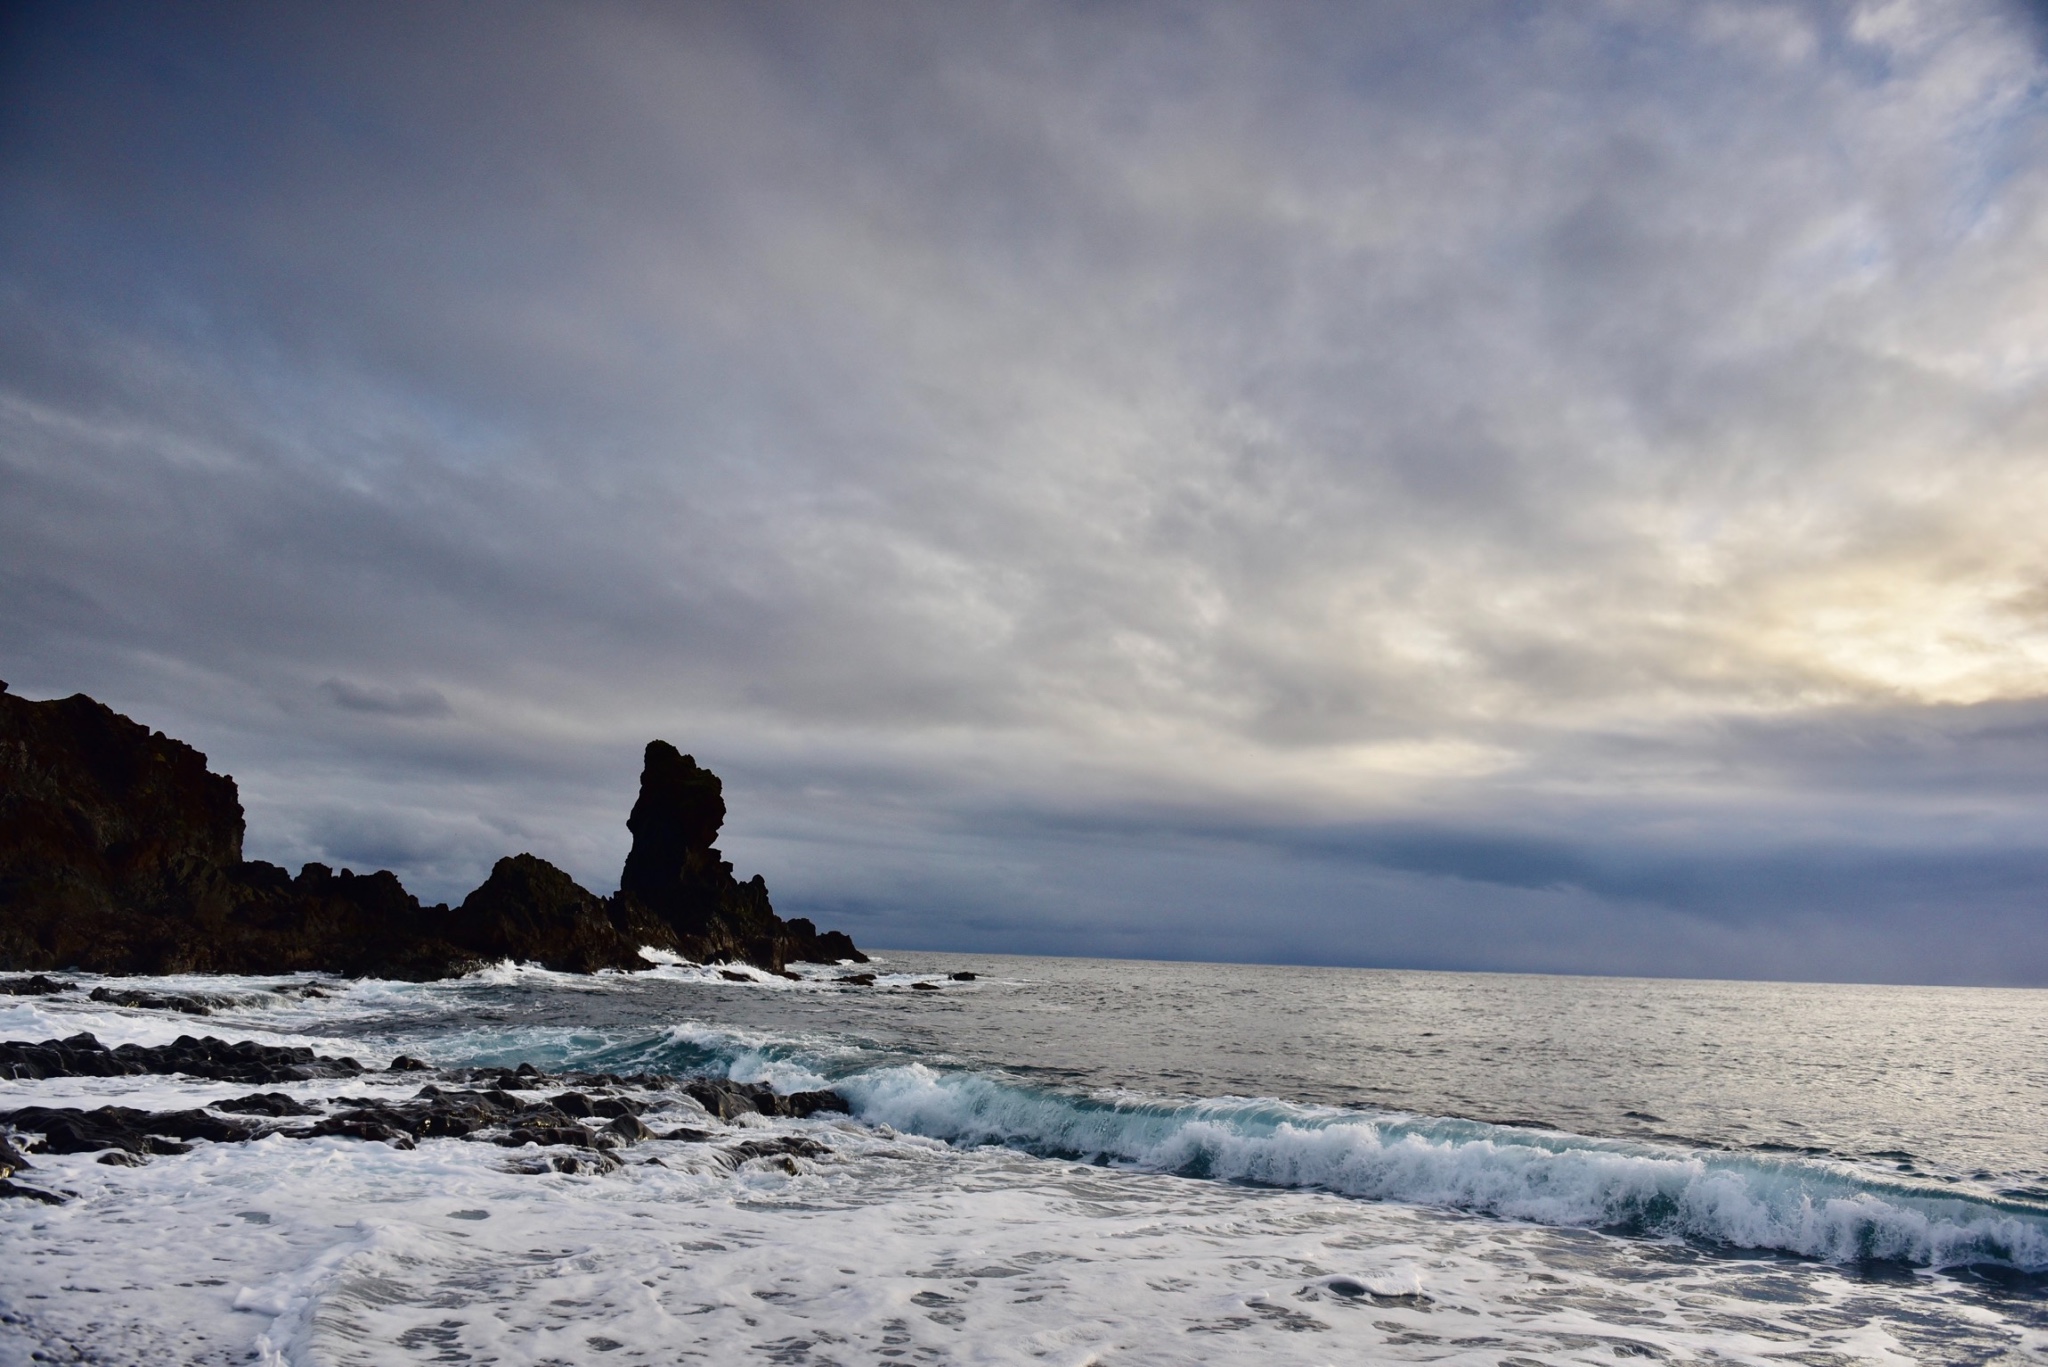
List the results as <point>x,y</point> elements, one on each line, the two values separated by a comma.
<point>244,1061</point>
<point>191,1005</point>
<point>673,822</point>
<point>120,852</point>
<point>116,845</point>
<point>725,1100</point>
<point>532,911</point>
<point>579,1131</point>
<point>68,1130</point>
<point>677,874</point>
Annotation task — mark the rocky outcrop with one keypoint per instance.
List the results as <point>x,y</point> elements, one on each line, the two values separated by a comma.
<point>530,910</point>
<point>244,1061</point>
<point>675,874</point>
<point>117,846</point>
<point>121,852</point>
<point>358,924</point>
<point>586,1125</point>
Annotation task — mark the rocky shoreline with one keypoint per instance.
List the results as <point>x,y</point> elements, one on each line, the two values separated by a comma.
<point>582,1123</point>
<point>121,853</point>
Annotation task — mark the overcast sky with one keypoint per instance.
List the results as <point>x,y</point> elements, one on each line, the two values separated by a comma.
<point>1517,486</point>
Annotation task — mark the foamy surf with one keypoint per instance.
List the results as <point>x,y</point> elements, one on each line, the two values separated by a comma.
<point>1804,1207</point>
<point>890,1248</point>
<point>962,1213</point>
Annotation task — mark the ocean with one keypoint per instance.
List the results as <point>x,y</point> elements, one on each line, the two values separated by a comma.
<point>1073,1161</point>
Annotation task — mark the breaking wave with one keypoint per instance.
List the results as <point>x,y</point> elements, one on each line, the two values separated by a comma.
<point>1799,1206</point>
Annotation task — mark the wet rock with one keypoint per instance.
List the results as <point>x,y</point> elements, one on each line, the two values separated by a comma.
<point>784,1146</point>
<point>65,1130</point>
<point>583,1107</point>
<point>683,1134</point>
<point>727,1100</point>
<point>83,1055</point>
<point>12,1160</point>
<point>497,1080</point>
<point>925,987</point>
<point>433,1113</point>
<point>121,1158</point>
<point>355,1127</point>
<point>495,1116</point>
<point>17,1190</point>
<point>857,979</point>
<point>630,1129</point>
<point>264,1103</point>
<point>406,1063</point>
<point>581,1128</point>
<point>35,986</point>
<point>803,1104</point>
<point>524,1078</point>
<point>733,977</point>
<point>962,977</point>
<point>157,1001</point>
<point>573,1136</point>
<point>591,1164</point>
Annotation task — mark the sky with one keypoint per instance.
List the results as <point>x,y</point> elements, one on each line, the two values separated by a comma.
<point>1535,487</point>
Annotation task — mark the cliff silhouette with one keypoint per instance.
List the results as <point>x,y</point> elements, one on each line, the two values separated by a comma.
<point>121,852</point>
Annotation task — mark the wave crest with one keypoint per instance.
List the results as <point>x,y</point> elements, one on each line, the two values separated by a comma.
<point>1793,1206</point>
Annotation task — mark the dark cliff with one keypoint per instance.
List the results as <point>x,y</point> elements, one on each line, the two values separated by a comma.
<point>120,852</point>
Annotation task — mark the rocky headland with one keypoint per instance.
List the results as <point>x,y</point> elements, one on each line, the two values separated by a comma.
<point>121,852</point>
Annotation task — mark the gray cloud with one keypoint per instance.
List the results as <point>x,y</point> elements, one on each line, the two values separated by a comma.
<point>422,702</point>
<point>1576,464</point>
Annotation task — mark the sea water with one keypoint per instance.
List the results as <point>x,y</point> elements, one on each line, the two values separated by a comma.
<point>1084,1161</point>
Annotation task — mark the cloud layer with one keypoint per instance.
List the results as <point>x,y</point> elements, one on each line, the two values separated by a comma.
<point>1549,487</point>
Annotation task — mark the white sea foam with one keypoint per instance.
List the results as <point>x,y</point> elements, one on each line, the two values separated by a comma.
<point>664,966</point>
<point>337,1252</point>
